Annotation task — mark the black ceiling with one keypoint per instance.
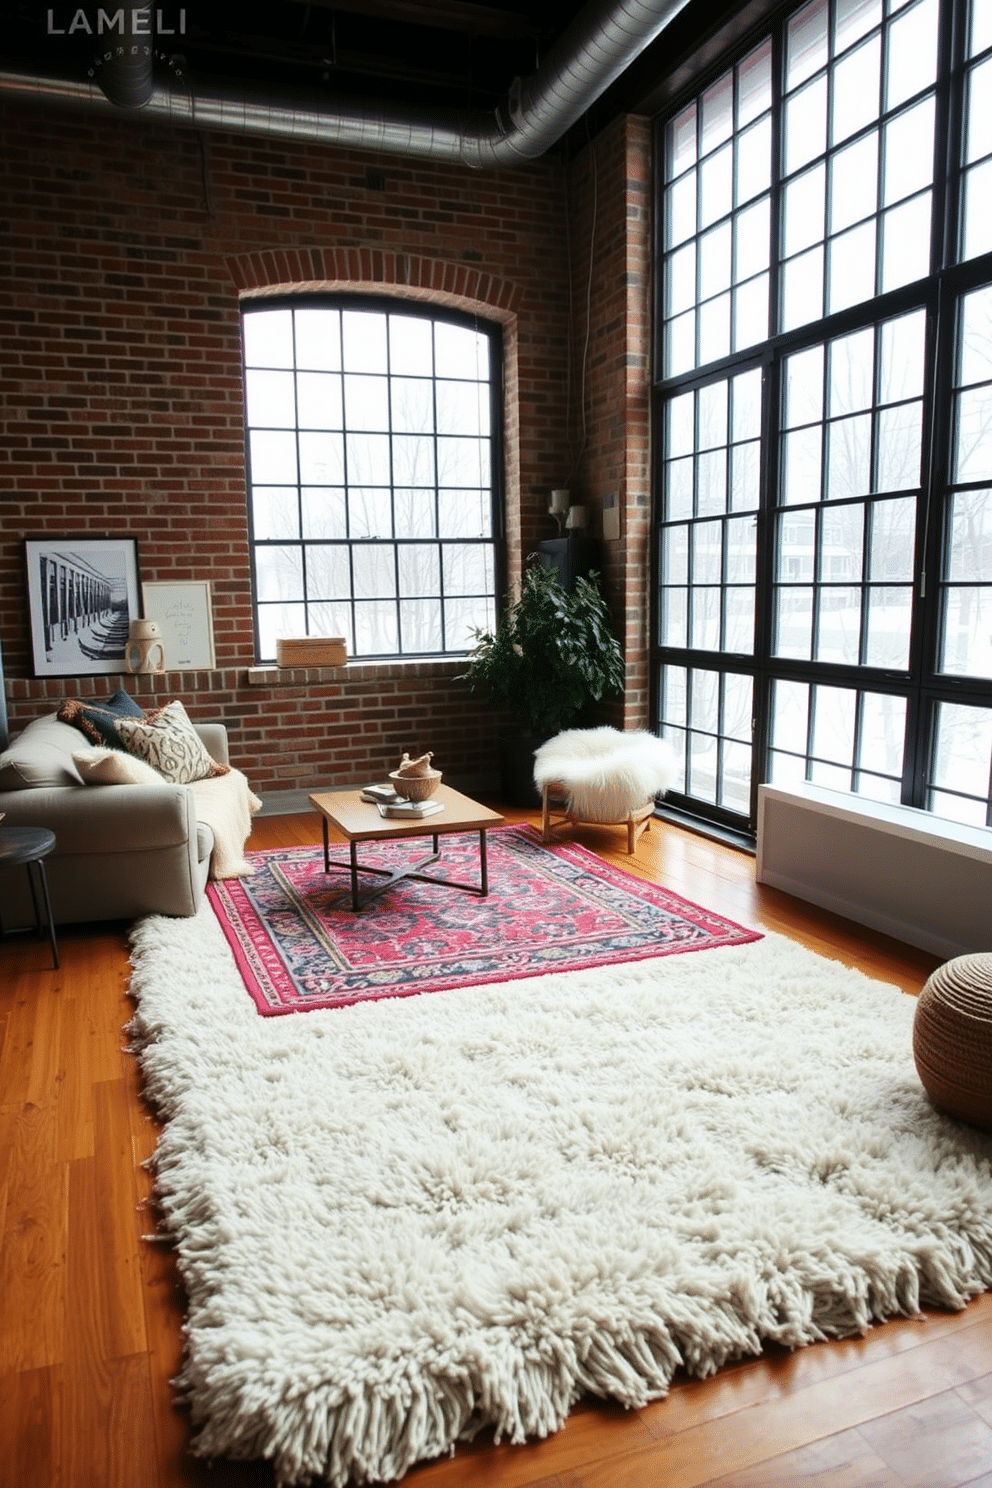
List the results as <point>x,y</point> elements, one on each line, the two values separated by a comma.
<point>435,54</point>
<point>444,53</point>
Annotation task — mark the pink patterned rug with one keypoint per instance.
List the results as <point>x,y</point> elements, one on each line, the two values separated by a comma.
<point>549,909</point>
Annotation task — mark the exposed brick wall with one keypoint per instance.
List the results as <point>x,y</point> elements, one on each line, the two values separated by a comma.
<point>610,219</point>
<point>126,249</point>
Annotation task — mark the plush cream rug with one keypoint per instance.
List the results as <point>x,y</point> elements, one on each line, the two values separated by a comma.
<point>400,1221</point>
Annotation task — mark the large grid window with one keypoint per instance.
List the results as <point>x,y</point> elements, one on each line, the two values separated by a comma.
<point>373,459</point>
<point>824,480</point>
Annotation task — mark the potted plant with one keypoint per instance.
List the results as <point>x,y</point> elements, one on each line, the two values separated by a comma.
<point>552,654</point>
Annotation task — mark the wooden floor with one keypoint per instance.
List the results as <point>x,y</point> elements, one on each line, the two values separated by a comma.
<point>91,1313</point>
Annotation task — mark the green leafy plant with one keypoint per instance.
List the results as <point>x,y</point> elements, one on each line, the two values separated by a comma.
<point>551,655</point>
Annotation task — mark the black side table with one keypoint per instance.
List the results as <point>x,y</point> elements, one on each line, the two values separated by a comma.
<point>31,846</point>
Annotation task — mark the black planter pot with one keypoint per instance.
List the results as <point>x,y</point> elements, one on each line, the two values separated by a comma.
<point>516,768</point>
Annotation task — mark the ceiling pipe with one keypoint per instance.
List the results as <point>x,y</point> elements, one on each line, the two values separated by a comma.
<point>599,45</point>
<point>123,68</point>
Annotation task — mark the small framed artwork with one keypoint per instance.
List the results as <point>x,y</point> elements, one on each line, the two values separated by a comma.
<point>82,596</point>
<point>185,617</point>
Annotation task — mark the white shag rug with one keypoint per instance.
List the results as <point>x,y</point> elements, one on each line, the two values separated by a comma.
<point>402,1220</point>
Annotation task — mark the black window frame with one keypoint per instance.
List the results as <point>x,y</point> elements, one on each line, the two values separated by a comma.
<point>922,684</point>
<point>494,543</point>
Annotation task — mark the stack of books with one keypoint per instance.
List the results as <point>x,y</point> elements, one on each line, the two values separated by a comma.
<point>391,804</point>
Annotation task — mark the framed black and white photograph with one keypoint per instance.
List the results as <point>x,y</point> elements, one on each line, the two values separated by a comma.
<point>82,596</point>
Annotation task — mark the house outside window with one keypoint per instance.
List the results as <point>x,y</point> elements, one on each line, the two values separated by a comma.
<point>823,405</point>
<point>373,456</point>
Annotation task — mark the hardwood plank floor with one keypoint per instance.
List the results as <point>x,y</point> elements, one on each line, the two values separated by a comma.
<point>91,1312</point>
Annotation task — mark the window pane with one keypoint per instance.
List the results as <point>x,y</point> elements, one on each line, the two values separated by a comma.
<point>906,243</point>
<point>419,567</point>
<point>899,448</point>
<point>833,724</point>
<point>970,546</point>
<point>717,113</point>
<point>268,339</point>
<point>802,293</point>
<point>975,338</point>
<point>460,351</point>
<point>854,183</point>
<point>849,457</point>
<point>890,614</point>
<point>754,161</point>
<point>682,141</point>
<point>973,445</point>
<point>854,18</point>
<point>856,90</point>
<point>909,152</point>
<point>463,514</point>
<point>804,387</point>
<point>318,339</point>
<point>322,459</point>
<point>363,335</point>
<point>852,267</point>
<point>752,240</point>
<point>962,758</point>
<point>276,513</point>
<point>411,346</point>
<point>805,125</point>
<point>319,400</point>
<point>801,481</point>
<point>804,200</point>
<point>754,84</point>
<point>902,348</point>
<point>968,630</point>
<point>270,399</point>
<point>325,512</point>
<point>977,233</point>
<point>714,261</point>
<point>912,52</point>
<point>852,360</point>
<point>806,43</point>
<point>883,730</point>
<point>893,540</point>
<point>273,458</point>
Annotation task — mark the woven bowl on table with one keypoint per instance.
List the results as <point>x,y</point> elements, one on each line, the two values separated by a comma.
<point>952,1038</point>
<point>415,787</point>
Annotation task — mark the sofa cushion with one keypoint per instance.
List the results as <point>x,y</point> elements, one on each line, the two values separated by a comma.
<point>97,718</point>
<point>168,740</point>
<point>100,765</point>
<point>41,755</point>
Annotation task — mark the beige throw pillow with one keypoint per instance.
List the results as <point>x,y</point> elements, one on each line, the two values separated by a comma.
<point>101,765</point>
<point>169,741</point>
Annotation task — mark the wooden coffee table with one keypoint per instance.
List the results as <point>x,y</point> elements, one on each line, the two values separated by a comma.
<point>359,821</point>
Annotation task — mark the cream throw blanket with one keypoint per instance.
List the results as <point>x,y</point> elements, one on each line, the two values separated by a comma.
<point>226,804</point>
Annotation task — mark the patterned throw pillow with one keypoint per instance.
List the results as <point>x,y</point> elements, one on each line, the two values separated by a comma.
<point>169,742</point>
<point>98,719</point>
<point>99,765</point>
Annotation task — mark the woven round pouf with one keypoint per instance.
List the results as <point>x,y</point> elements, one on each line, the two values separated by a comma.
<point>952,1038</point>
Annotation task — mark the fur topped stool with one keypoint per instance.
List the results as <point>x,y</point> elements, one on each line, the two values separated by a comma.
<point>605,777</point>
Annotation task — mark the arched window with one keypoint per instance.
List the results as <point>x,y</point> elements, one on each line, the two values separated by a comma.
<point>374,459</point>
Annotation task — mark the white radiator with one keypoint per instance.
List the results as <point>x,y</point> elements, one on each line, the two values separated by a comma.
<point>904,872</point>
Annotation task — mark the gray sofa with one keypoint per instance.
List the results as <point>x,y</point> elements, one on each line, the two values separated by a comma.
<point>121,850</point>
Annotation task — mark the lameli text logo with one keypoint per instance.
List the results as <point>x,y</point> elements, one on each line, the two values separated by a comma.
<point>123,22</point>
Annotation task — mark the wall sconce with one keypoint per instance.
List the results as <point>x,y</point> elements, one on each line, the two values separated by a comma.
<point>558,507</point>
<point>576,518</point>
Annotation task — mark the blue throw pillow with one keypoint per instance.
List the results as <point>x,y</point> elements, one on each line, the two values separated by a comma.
<point>98,720</point>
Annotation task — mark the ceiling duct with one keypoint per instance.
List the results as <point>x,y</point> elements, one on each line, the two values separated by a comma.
<point>587,58</point>
<point>123,66</point>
